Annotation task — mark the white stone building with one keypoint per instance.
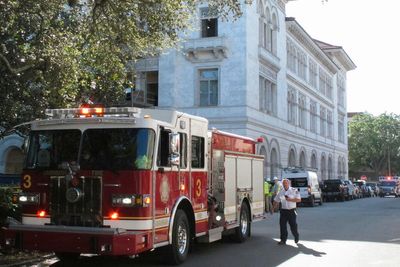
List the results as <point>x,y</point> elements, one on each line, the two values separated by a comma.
<point>261,75</point>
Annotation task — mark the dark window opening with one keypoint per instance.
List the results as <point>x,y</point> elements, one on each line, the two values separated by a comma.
<point>163,149</point>
<point>209,27</point>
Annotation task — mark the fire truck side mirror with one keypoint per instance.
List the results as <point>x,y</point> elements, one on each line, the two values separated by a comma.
<point>174,143</point>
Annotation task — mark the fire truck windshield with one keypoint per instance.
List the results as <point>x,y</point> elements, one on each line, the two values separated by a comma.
<point>101,149</point>
<point>117,149</point>
<point>48,149</point>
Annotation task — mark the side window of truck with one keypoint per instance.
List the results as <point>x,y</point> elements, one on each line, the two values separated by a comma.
<point>163,149</point>
<point>183,150</point>
<point>197,152</point>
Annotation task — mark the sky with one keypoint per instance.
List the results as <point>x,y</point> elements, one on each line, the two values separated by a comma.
<point>369,33</point>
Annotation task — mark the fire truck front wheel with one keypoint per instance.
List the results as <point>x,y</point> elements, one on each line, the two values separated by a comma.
<point>243,230</point>
<point>180,239</point>
<point>67,257</point>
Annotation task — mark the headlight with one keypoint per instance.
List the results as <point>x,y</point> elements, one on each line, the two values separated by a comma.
<point>28,198</point>
<point>131,200</point>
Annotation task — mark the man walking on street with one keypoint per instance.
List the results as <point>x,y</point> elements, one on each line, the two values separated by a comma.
<point>288,197</point>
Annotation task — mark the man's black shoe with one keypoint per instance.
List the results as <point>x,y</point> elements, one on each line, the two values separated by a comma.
<point>296,240</point>
<point>281,243</point>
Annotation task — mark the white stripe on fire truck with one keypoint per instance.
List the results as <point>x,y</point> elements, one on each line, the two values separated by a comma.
<point>35,220</point>
<point>137,224</point>
<point>201,215</point>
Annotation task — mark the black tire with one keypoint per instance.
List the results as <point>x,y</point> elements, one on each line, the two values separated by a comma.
<point>67,256</point>
<point>342,198</point>
<point>242,232</point>
<point>178,250</point>
<point>321,201</point>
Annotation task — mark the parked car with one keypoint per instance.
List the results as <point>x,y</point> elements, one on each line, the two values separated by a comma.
<point>307,183</point>
<point>335,189</point>
<point>353,194</point>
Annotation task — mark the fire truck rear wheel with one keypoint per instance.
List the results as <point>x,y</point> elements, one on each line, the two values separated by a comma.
<point>180,239</point>
<point>243,230</point>
<point>67,257</point>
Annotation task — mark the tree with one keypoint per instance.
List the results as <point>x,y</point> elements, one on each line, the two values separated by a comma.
<point>374,142</point>
<point>54,53</point>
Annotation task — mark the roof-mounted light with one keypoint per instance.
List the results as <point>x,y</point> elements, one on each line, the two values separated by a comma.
<point>90,111</point>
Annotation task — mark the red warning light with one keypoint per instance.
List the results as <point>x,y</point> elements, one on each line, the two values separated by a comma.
<point>114,216</point>
<point>41,213</point>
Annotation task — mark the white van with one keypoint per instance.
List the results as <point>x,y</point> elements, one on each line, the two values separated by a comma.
<point>306,182</point>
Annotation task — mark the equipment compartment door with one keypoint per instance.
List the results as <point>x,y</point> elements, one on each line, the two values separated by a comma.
<point>230,189</point>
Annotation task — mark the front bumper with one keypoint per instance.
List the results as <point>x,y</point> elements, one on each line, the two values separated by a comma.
<point>57,238</point>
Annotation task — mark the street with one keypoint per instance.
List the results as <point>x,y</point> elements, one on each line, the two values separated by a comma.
<point>362,232</point>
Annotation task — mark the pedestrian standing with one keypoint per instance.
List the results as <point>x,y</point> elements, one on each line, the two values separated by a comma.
<point>288,197</point>
<point>275,190</point>
<point>267,196</point>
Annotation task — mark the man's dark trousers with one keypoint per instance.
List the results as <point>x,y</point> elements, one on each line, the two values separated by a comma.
<point>288,216</point>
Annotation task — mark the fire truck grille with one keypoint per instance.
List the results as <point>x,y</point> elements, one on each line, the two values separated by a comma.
<point>78,205</point>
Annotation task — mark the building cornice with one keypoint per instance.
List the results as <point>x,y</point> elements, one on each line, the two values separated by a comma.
<point>297,32</point>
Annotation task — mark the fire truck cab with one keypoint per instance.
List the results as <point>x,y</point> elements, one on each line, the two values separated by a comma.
<point>122,181</point>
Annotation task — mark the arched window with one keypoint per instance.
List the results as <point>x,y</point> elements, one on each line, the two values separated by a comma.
<point>339,168</point>
<point>292,158</point>
<point>263,152</point>
<point>274,163</point>
<point>14,161</point>
<point>303,160</point>
<point>274,34</point>
<point>330,174</point>
<point>314,161</point>
<point>323,168</point>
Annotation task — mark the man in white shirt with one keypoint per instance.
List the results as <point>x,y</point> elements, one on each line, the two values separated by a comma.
<point>288,197</point>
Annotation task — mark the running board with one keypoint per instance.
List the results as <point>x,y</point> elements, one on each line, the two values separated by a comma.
<point>212,235</point>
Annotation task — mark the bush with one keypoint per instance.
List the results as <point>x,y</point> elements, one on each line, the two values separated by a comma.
<point>7,207</point>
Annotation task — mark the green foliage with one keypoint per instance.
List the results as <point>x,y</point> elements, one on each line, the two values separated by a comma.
<point>372,140</point>
<point>56,53</point>
<point>7,208</point>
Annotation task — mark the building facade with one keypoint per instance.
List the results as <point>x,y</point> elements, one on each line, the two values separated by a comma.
<point>261,75</point>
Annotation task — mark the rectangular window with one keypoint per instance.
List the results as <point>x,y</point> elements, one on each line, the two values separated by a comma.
<point>341,129</point>
<point>163,149</point>
<point>209,87</point>
<point>197,152</point>
<point>209,23</point>
<point>322,122</point>
<point>142,89</point>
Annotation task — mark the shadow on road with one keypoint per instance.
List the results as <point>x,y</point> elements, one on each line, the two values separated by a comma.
<point>308,251</point>
<point>265,253</point>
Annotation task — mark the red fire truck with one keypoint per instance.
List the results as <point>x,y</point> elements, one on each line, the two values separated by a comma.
<point>122,181</point>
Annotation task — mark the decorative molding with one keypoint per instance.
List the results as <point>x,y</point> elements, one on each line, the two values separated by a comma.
<point>206,49</point>
<point>298,33</point>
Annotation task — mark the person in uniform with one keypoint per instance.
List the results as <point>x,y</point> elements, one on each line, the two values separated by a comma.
<point>288,197</point>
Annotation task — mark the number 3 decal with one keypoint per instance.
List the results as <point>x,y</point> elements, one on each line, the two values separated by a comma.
<point>27,181</point>
<point>198,188</point>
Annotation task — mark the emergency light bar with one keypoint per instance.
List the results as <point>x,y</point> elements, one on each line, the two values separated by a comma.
<point>90,112</point>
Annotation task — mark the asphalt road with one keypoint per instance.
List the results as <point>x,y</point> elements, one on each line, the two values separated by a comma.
<point>364,232</point>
